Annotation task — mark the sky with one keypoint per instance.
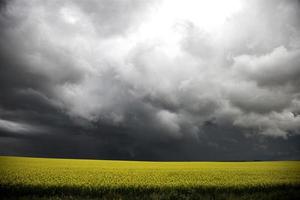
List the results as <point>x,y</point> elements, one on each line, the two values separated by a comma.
<point>150,79</point>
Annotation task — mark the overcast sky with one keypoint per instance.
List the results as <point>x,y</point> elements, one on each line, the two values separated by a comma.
<point>150,79</point>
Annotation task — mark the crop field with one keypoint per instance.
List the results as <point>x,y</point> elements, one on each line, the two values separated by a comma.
<point>41,178</point>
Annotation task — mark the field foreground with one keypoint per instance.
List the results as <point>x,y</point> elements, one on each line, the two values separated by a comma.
<point>40,178</point>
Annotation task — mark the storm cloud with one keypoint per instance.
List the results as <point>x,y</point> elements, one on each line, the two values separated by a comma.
<point>153,80</point>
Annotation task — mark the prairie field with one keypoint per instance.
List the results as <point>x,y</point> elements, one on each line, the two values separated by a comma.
<point>44,178</point>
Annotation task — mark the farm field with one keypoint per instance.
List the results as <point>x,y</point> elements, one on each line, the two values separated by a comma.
<point>44,178</point>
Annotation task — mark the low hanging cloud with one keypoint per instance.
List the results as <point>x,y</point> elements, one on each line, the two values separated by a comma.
<point>18,127</point>
<point>155,68</point>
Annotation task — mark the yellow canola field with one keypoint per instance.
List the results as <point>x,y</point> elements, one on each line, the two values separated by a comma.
<point>102,173</point>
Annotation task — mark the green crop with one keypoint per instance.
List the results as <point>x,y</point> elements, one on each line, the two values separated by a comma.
<point>93,176</point>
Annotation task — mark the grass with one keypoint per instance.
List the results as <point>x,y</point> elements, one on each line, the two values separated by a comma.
<point>41,178</point>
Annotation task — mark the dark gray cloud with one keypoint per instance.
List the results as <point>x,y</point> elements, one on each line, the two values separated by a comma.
<point>150,79</point>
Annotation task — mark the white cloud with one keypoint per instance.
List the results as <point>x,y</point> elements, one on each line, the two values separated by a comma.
<point>276,124</point>
<point>276,68</point>
<point>18,127</point>
<point>169,121</point>
<point>237,62</point>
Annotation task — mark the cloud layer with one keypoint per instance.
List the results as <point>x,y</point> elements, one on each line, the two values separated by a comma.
<point>152,71</point>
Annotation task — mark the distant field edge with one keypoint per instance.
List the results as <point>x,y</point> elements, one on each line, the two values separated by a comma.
<point>279,192</point>
<point>128,160</point>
